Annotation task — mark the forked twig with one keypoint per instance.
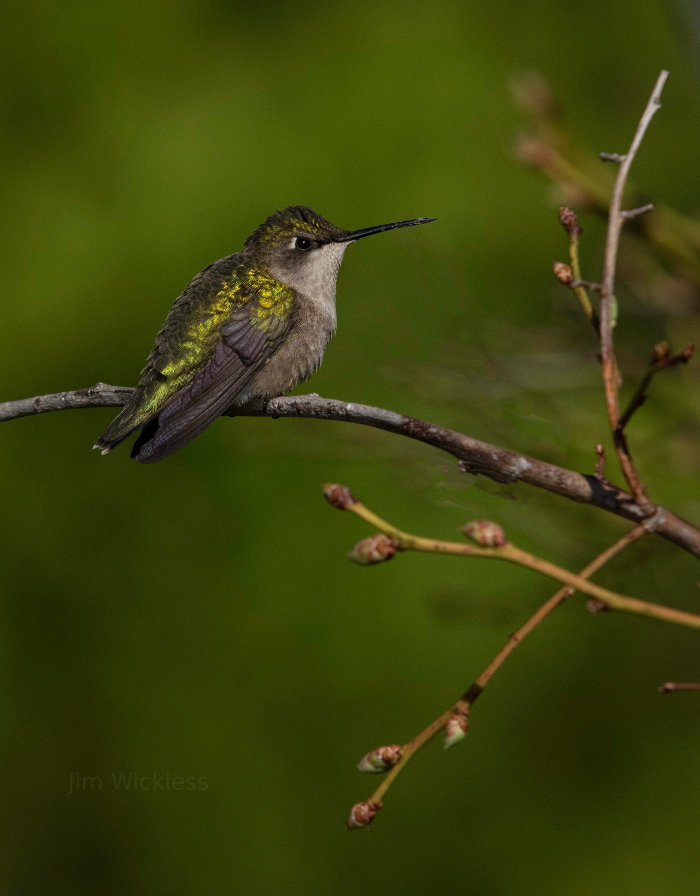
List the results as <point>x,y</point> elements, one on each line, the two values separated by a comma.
<point>611,376</point>
<point>461,709</point>
<point>661,359</point>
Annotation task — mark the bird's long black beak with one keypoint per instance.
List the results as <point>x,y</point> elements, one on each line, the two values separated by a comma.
<point>380,228</point>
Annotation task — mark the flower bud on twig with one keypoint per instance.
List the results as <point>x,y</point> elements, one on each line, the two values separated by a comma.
<point>486,533</point>
<point>362,814</point>
<point>563,272</point>
<point>380,760</point>
<point>374,549</point>
<point>339,496</point>
<point>568,219</point>
<point>456,728</point>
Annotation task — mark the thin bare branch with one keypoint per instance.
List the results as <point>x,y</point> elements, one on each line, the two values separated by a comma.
<point>98,396</point>
<point>474,456</point>
<point>611,157</point>
<point>506,550</point>
<point>611,377</point>
<point>630,213</point>
<point>661,359</point>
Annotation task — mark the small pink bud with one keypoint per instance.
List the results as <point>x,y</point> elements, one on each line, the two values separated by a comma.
<point>568,219</point>
<point>339,496</point>
<point>362,814</point>
<point>456,728</point>
<point>485,533</point>
<point>380,760</point>
<point>374,549</point>
<point>563,272</point>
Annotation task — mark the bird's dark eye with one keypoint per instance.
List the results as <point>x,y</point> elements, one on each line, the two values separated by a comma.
<point>303,243</point>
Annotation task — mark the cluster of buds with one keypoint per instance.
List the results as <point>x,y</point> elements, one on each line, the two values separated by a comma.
<point>380,760</point>
<point>485,533</point>
<point>456,728</point>
<point>362,814</point>
<point>373,549</point>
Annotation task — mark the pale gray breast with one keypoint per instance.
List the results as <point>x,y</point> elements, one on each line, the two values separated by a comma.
<point>313,277</point>
<point>302,350</point>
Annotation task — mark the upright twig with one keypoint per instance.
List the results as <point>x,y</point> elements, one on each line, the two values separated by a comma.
<point>570,275</point>
<point>611,376</point>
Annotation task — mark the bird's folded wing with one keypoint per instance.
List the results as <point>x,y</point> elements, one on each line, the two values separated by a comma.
<point>243,350</point>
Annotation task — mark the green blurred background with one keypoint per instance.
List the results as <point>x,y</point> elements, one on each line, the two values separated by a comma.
<point>198,618</point>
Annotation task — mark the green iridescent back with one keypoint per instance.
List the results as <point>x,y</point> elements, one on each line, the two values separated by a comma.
<point>233,290</point>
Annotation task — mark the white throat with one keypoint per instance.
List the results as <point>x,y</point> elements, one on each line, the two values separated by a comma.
<point>315,277</point>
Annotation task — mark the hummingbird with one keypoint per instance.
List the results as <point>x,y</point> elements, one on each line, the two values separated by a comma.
<point>251,325</point>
